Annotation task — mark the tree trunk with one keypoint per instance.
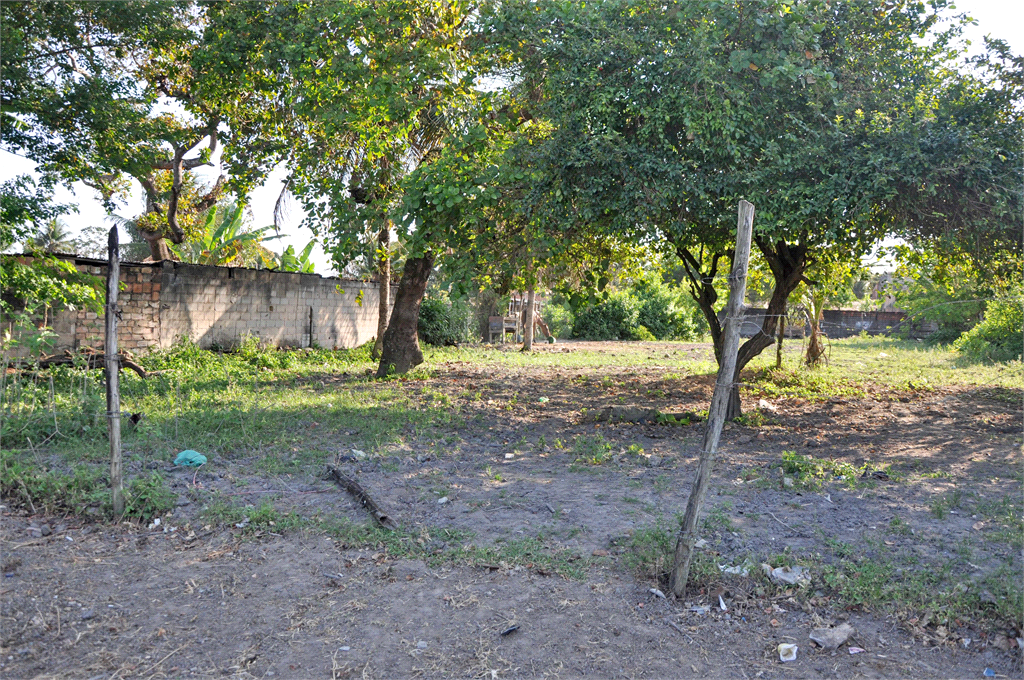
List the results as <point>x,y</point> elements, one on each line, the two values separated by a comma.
<point>531,296</point>
<point>815,349</point>
<point>778,342</point>
<point>384,276</point>
<point>401,350</point>
<point>158,250</point>
<point>787,263</point>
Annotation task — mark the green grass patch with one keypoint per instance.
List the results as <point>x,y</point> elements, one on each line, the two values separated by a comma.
<point>935,590</point>
<point>812,473</point>
<point>280,403</point>
<point>650,553</point>
<point>84,489</point>
<point>591,450</point>
<point>951,500</point>
<point>859,364</point>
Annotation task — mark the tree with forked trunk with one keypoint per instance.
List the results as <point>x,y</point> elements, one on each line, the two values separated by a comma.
<point>110,93</point>
<point>665,116</point>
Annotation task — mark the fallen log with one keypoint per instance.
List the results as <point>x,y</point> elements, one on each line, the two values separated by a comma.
<point>95,360</point>
<point>352,486</point>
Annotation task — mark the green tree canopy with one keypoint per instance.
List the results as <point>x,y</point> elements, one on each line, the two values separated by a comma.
<point>664,116</point>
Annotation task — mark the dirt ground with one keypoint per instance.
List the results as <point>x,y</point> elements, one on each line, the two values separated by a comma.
<point>101,601</point>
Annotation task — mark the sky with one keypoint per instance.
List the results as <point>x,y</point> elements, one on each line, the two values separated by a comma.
<point>1002,19</point>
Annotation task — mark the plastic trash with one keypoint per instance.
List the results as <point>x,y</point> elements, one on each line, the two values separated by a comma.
<point>832,638</point>
<point>656,593</point>
<point>855,650</point>
<point>738,570</point>
<point>789,575</point>
<point>787,652</point>
<point>359,455</point>
<point>190,458</point>
<point>543,400</point>
<point>989,673</point>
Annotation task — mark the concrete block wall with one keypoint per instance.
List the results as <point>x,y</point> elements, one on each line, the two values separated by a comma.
<point>138,329</point>
<point>162,303</point>
<point>217,306</point>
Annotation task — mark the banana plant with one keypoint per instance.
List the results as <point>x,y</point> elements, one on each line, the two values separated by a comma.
<point>288,261</point>
<point>221,243</point>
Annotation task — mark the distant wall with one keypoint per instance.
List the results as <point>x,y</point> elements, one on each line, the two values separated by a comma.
<point>837,323</point>
<point>162,303</point>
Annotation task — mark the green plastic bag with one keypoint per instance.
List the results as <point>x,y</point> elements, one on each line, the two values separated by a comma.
<point>190,458</point>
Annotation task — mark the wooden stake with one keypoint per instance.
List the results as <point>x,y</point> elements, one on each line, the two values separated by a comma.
<point>719,401</point>
<point>112,368</point>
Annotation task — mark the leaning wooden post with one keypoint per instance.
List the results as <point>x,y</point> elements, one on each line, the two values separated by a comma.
<point>719,402</point>
<point>112,368</point>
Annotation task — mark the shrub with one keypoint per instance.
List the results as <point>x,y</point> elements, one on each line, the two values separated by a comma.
<point>648,310</point>
<point>664,311</point>
<point>559,319</point>
<point>612,319</point>
<point>443,321</point>
<point>261,356</point>
<point>999,336</point>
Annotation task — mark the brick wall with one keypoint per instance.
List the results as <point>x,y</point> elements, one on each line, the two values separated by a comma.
<point>218,306</point>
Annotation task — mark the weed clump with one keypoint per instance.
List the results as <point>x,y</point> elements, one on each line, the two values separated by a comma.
<point>592,450</point>
<point>811,473</point>
<point>86,490</point>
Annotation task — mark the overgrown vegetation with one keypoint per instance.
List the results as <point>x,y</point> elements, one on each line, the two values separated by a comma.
<point>647,308</point>
<point>999,336</point>
<point>83,490</point>
<point>444,321</point>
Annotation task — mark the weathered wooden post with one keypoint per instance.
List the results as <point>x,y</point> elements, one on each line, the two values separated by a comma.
<point>112,368</point>
<point>719,401</point>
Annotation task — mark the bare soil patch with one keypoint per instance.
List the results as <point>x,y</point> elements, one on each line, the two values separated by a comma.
<point>561,503</point>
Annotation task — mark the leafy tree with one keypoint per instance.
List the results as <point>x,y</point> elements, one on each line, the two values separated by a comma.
<point>831,285</point>
<point>665,116</point>
<point>24,204</point>
<point>959,189</point>
<point>106,92</point>
<point>31,287</point>
<point>942,287</point>
<point>355,95</point>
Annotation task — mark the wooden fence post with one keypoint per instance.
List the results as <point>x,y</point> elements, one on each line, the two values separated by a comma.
<point>112,368</point>
<point>719,401</point>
